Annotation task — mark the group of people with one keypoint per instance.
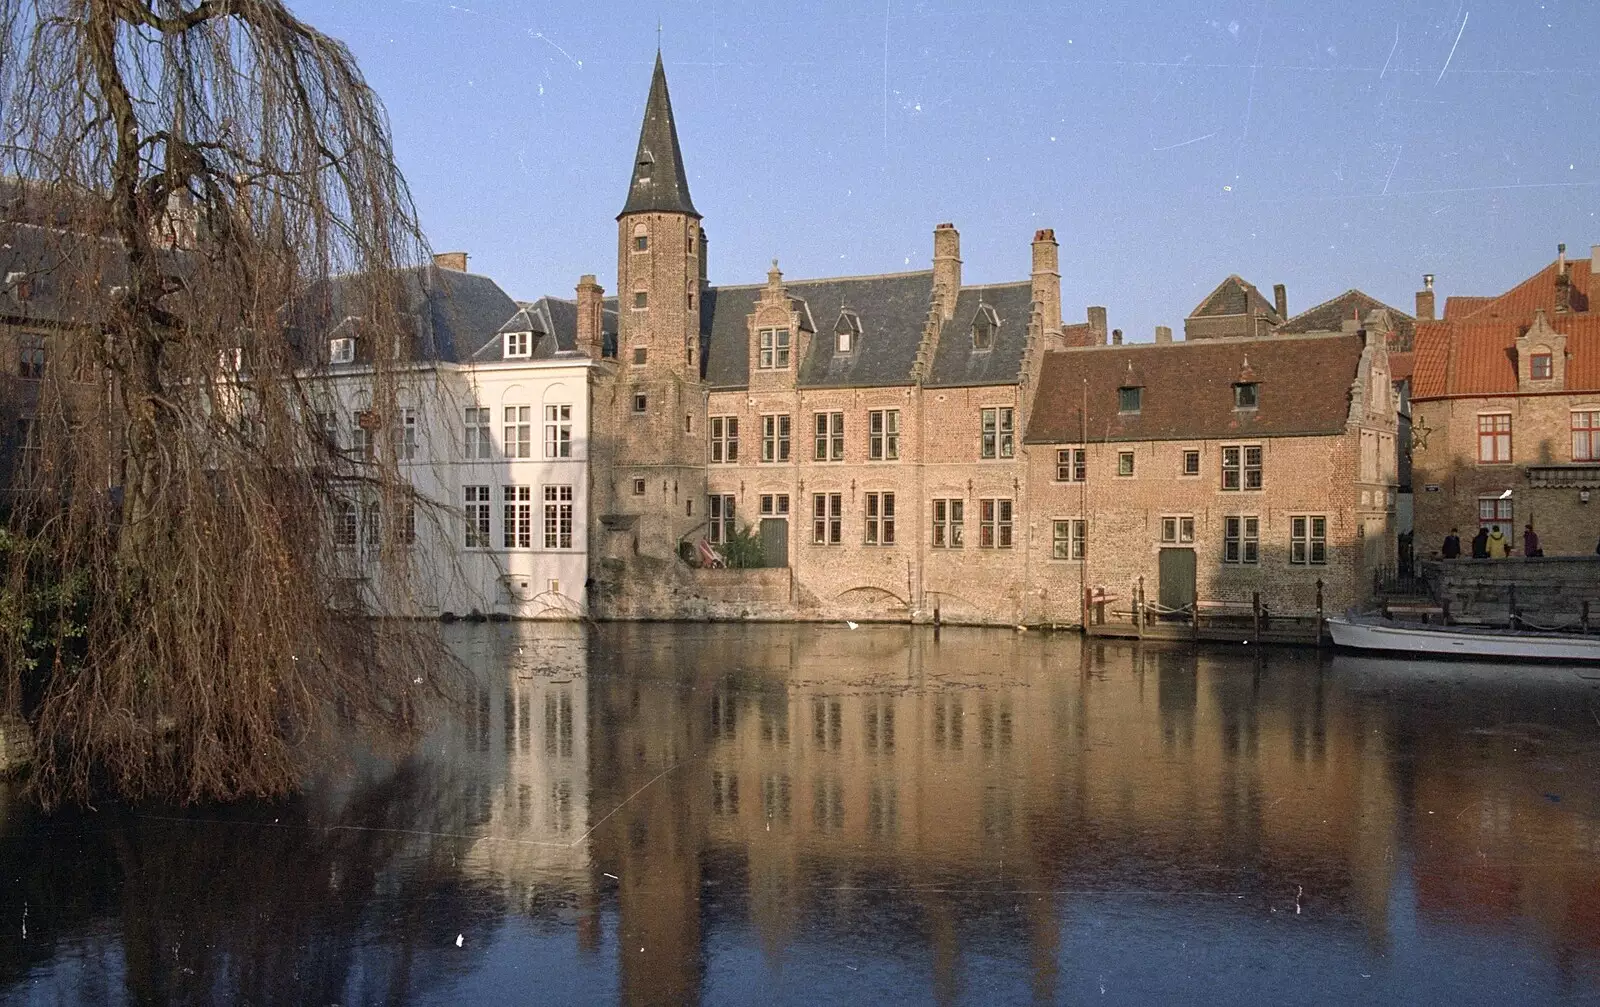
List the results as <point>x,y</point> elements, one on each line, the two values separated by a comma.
<point>1491,543</point>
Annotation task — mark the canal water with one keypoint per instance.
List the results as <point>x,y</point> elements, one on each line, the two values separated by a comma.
<point>773,814</point>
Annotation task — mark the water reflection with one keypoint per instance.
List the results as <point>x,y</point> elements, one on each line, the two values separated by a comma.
<point>729,814</point>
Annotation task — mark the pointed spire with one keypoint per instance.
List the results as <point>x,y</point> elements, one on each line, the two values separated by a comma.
<point>659,183</point>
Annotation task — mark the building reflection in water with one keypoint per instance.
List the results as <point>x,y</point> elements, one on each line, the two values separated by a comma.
<point>965,796</point>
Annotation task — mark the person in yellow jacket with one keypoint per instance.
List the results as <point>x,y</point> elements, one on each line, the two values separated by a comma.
<point>1499,548</point>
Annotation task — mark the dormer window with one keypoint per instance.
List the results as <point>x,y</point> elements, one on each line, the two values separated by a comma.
<point>847,332</point>
<point>984,326</point>
<point>1244,395</point>
<point>519,344</point>
<point>1543,367</point>
<point>21,285</point>
<point>341,351</point>
<point>1130,399</point>
<point>774,345</point>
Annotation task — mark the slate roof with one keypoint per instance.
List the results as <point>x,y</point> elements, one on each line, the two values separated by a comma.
<point>1330,316</point>
<point>454,314</point>
<point>61,269</point>
<point>554,322</point>
<point>957,362</point>
<point>892,309</point>
<point>1477,357</point>
<point>1188,389</point>
<point>1235,296</point>
<point>659,183</point>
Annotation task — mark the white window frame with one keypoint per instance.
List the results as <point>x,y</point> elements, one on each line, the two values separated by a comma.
<point>777,431</point>
<point>517,430</point>
<point>1069,539</point>
<point>829,444</point>
<point>342,350</point>
<point>774,349</point>
<point>723,434</point>
<point>997,432</point>
<point>478,510</point>
<point>558,430</point>
<point>518,345</point>
<point>517,526</point>
<point>558,517</point>
<point>827,519</point>
<point>883,435</point>
<point>479,442</point>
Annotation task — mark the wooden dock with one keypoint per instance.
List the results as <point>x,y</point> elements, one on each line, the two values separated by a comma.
<point>1203,621</point>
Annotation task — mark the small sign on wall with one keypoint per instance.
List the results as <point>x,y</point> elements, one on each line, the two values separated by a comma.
<point>1431,488</point>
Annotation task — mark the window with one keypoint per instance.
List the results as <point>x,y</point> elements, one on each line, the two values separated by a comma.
<point>28,446</point>
<point>998,439</point>
<point>362,443</point>
<point>774,505</point>
<point>477,515</point>
<point>1308,539</point>
<point>1494,438</point>
<point>724,439</point>
<point>558,517</point>
<point>830,437</point>
<point>1244,395</point>
<point>1072,465</point>
<point>1241,540</point>
<point>983,328</point>
<point>1130,400</point>
<point>827,512</point>
<point>341,351</point>
<point>344,523</point>
<point>947,523</point>
<point>518,517</point>
<point>1124,463</point>
<point>1495,511</point>
<point>558,431</point>
<point>883,435</point>
<point>408,523</point>
<point>406,435</point>
<point>1241,466</point>
<point>994,524</point>
<point>30,355</point>
<point>641,355</point>
<point>774,347</point>
<point>518,431</point>
<point>1177,529</point>
<point>519,344</point>
<point>721,528</point>
<point>1069,539</point>
<point>1191,463</point>
<point>638,487</point>
<point>641,240</point>
<point>775,438</point>
<point>688,505</point>
<point>1543,369</point>
<point>641,402</point>
<point>846,332</point>
<point>641,300</point>
<point>479,444</point>
<point>880,519</point>
<point>1586,436</point>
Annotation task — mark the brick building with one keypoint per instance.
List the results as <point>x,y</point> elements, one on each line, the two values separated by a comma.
<point>867,429</point>
<point>1213,469</point>
<point>1506,411</point>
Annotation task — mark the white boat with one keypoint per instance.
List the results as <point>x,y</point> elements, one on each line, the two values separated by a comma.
<point>1460,641</point>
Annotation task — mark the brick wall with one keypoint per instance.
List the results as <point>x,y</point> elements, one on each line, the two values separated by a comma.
<point>1548,591</point>
<point>1445,455</point>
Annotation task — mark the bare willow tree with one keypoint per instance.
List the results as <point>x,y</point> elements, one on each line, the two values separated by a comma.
<point>198,183</point>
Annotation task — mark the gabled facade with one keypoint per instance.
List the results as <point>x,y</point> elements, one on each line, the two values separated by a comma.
<point>1506,406</point>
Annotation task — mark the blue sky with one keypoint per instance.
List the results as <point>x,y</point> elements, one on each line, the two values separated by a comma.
<point>1321,145</point>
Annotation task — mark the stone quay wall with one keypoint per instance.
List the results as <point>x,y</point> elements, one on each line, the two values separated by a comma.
<point>16,745</point>
<point>1545,590</point>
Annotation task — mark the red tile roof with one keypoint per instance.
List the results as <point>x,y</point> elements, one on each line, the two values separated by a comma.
<point>1460,307</point>
<point>1538,291</point>
<point>1478,357</point>
<point>1401,365</point>
<point>1188,389</point>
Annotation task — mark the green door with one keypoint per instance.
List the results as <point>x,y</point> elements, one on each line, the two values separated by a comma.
<point>1177,578</point>
<point>775,541</point>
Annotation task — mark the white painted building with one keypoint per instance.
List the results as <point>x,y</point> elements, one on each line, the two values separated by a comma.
<point>492,426</point>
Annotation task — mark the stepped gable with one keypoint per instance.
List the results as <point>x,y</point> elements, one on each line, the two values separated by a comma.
<point>1330,316</point>
<point>958,361</point>
<point>1188,389</point>
<point>892,309</point>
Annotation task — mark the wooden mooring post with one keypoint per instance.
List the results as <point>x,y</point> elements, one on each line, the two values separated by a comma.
<point>1255,609</point>
<point>1584,624</point>
<point>1321,623</point>
<point>1138,606</point>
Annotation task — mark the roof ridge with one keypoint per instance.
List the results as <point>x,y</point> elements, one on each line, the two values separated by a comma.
<point>1353,290</point>
<point>1244,341</point>
<point>824,279</point>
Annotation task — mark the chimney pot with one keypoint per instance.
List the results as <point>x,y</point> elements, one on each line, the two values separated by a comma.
<point>1425,302</point>
<point>1427,281</point>
<point>1280,300</point>
<point>451,260</point>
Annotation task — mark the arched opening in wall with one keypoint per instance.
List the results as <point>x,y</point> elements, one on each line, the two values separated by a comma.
<point>641,237</point>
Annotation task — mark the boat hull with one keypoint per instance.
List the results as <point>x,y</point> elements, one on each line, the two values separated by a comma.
<point>1441,642</point>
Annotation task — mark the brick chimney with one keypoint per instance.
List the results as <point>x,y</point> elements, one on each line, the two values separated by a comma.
<point>1425,299</point>
<point>1097,326</point>
<point>591,317</point>
<point>946,268</point>
<point>1116,337</point>
<point>451,260</point>
<point>1164,332</point>
<point>1047,278</point>
<point>1280,300</point>
<point>1563,280</point>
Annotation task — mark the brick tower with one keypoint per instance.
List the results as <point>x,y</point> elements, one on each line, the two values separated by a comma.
<point>649,411</point>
